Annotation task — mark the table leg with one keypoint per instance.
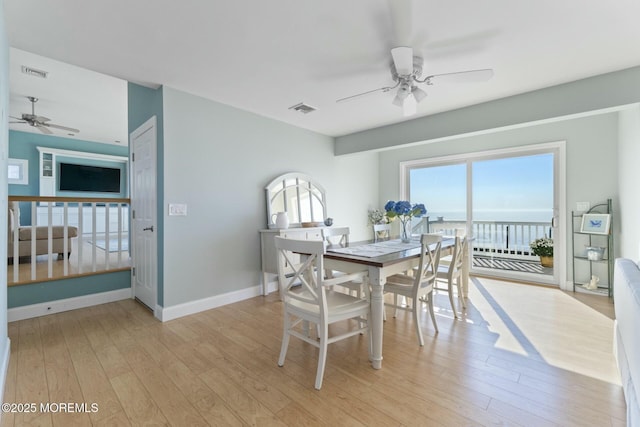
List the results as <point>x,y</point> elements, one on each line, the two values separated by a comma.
<point>377,307</point>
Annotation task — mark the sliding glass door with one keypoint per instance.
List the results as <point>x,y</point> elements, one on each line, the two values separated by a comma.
<point>502,199</point>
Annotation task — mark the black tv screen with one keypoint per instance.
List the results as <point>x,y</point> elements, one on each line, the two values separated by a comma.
<point>89,178</point>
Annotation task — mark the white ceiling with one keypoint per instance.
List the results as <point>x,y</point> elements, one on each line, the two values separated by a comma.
<point>265,56</point>
<point>71,96</point>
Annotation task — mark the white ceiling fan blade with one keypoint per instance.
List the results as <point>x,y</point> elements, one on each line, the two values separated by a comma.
<point>401,21</point>
<point>381,89</point>
<point>471,76</point>
<point>42,119</point>
<point>43,129</point>
<point>418,93</point>
<point>68,129</point>
<point>18,122</point>
<point>403,60</point>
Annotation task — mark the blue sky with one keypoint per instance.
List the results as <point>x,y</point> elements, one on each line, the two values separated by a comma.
<point>516,186</point>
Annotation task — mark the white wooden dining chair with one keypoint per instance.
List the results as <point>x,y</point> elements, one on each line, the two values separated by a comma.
<point>451,274</point>
<point>336,235</point>
<point>339,236</point>
<point>307,297</point>
<point>381,231</point>
<point>418,286</point>
<point>459,232</point>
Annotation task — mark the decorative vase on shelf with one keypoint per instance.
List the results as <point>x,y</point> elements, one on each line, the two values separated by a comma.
<point>546,261</point>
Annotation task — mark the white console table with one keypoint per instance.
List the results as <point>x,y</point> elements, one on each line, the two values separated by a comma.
<point>268,248</point>
<point>57,217</point>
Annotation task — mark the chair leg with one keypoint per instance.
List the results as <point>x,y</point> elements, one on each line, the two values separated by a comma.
<point>459,285</point>
<point>395,303</point>
<point>431,312</point>
<point>285,340</point>
<point>322,356</point>
<point>416,319</point>
<point>453,307</point>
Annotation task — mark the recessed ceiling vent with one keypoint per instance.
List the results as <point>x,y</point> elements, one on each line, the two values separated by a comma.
<point>34,72</point>
<point>302,108</point>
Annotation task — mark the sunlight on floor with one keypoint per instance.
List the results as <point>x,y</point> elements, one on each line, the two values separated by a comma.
<point>525,329</point>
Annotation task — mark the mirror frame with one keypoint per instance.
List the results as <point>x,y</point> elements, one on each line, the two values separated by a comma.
<point>279,188</point>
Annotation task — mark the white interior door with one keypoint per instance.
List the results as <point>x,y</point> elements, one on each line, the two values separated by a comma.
<point>144,214</point>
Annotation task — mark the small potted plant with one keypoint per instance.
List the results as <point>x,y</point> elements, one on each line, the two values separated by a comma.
<point>376,216</point>
<point>543,247</point>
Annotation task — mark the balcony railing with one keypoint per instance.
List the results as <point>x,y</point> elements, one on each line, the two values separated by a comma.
<point>71,236</point>
<point>506,239</point>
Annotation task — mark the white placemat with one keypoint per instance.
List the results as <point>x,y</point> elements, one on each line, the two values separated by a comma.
<point>371,250</point>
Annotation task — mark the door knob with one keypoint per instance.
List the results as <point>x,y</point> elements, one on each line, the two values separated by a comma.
<point>148,229</point>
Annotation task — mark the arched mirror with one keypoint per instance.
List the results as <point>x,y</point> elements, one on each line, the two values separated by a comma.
<point>296,194</point>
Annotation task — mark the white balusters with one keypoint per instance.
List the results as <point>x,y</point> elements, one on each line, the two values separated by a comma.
<point>68,232</point>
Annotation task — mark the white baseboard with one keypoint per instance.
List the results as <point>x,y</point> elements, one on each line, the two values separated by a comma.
<point>58,306</point>
<point>4,367</point>
<point>192,307</point>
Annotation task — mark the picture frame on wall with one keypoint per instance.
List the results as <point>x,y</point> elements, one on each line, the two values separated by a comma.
<point>595,223</point>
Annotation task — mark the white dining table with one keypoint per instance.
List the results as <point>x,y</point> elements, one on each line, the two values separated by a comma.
<point>379,268</point>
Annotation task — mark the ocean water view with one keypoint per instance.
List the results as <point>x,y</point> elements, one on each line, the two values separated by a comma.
<point>542,215</point>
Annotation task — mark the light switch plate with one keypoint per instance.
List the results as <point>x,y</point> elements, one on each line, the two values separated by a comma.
<point>582,206</point>
<point>177,209</point>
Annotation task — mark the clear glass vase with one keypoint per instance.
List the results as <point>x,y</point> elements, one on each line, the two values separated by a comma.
<point>405,231</point>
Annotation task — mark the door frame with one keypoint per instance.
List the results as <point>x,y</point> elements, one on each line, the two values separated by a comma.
<point>149,125</point>
<point>560,184</point>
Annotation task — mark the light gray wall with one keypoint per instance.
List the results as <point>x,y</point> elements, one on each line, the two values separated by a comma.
<point>217,160</point>
<point>600,92</point>
<point>629,182</point>
<point>591,157</point>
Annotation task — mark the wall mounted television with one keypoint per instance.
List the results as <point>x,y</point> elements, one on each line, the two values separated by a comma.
<point>94,179</point>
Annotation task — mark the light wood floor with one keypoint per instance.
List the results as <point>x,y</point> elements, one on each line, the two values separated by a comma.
<point>522,355</point>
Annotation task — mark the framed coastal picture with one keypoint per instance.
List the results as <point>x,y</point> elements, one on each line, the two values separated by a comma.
<point>595,223</point>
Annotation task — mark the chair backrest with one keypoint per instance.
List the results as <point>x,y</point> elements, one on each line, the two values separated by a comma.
<point>301,281</point>
<point>457,258</point>
<point>430,245</point>
<point>382,231</point>
<point>336,235</point>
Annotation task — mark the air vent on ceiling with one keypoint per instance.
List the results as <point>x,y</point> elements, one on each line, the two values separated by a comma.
<point>34,72</point>
<point>302,108</point>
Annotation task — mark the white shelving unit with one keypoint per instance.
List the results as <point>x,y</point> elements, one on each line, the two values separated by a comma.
<point>584,267</point>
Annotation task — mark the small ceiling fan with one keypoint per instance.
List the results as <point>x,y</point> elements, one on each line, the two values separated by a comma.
<point>40,122</point>
<point>406,68</point>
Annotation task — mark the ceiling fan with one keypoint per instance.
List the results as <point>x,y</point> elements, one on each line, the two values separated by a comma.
<point>40,122</point>
<point>406,68</point>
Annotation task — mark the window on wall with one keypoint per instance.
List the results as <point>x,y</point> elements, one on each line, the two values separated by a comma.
<point>18,171</point>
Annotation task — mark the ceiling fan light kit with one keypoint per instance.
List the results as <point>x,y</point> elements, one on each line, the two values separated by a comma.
<point>406,70</point>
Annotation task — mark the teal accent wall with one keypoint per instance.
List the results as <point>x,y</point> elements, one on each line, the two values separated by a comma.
<point>36,293</point>
<point>22,145</point>
<point>145,103</point>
